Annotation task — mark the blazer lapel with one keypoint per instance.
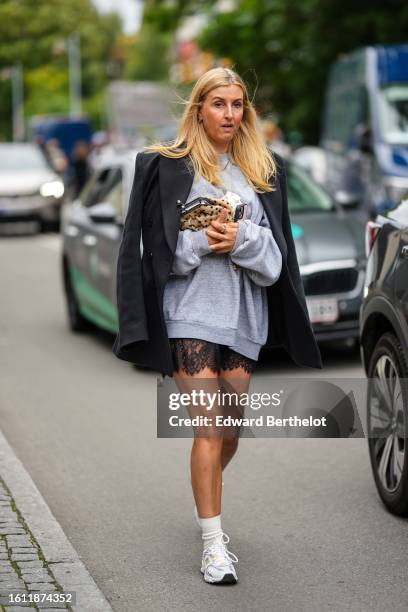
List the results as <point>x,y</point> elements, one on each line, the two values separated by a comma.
<point>175,182</point>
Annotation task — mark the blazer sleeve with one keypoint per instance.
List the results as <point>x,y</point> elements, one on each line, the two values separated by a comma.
<point>129,288</point>
<point>292,261</point>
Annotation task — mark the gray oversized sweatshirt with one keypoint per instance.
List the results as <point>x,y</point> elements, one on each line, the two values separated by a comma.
<point>222,297</point>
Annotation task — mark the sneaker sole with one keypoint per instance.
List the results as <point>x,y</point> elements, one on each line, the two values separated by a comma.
<point>226,579</point>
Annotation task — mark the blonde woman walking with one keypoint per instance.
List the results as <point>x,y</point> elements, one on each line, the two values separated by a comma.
<point>199,305</point>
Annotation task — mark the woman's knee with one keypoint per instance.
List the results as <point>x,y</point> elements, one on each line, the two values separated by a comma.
<point>211,444</point>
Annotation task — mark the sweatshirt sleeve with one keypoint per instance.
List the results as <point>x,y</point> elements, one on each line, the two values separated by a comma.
<point>191,247</point>
<point>256,251</point>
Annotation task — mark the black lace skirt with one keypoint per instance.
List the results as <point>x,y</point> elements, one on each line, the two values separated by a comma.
<point>191,356</point>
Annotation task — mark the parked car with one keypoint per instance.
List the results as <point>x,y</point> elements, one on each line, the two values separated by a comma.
<point>91,228</point>
<point>365,127</point>
<point>30,190</point>
<point>329,245</point>
<point>331,255</point>
<point>384,349</point>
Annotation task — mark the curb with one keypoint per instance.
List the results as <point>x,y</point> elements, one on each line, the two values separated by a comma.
<point>33,521</point>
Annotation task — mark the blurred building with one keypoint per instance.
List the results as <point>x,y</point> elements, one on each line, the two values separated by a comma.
<point>135,108</point>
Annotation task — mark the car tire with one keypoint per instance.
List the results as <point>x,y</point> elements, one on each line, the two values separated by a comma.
<point>387,422</point>
<point>76,321</point>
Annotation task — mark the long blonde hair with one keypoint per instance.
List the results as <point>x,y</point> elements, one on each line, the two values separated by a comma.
<point>247,148</point>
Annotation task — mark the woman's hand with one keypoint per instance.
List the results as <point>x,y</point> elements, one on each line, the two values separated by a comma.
<point>221,235</point>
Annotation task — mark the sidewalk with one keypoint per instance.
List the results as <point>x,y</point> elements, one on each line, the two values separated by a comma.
<point>37,561</point>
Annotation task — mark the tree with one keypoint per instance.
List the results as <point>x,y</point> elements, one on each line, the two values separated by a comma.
<point>284,49</point>
<point>148,59</point>
<point>288,48</point>
<point>31,32</point>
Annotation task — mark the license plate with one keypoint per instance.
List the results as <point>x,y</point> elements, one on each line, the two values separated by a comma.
<point>323,310</point>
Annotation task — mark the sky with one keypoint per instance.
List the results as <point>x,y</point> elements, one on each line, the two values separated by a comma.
<point>129,10</point>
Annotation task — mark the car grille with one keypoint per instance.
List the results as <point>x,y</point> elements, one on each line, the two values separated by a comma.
<point>330,281</point>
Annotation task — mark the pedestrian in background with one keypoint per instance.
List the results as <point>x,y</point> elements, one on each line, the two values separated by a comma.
<point>199,305</point>
<point>273,137</point>
<point>80,169</point>
<point>56,156</point>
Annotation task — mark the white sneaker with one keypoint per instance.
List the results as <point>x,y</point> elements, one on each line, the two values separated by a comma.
<point>217,563</point>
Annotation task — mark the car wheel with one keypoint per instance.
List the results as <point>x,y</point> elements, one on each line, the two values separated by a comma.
<point>387,412</point>
<point>76,320</point>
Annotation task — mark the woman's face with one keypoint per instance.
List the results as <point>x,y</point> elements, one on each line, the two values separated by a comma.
<point>221,113</point>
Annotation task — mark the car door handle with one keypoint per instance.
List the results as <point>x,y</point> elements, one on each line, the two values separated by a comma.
<point>404,252</point>
<point>89,240</point>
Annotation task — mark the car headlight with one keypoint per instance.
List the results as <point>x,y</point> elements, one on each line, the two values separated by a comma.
<point>53,189</point>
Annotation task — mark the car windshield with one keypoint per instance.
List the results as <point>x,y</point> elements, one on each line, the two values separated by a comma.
<point>304,195</point>
<point>394,114</point>
<point>14,157</point>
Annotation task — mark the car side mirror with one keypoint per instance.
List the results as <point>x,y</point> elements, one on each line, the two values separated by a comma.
<point>103,213</point>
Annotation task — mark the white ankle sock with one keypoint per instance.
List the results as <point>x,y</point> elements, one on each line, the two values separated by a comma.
<point>211,530</point>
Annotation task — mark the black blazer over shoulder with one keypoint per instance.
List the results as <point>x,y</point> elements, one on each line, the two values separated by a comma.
<point>159,184</point>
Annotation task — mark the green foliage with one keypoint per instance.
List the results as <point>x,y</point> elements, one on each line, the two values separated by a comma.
<point>149,59</point>
<point>48,87</point>
<point>165,15</point>
<point>95,107</point>
<point>284,49</point>
<point>287,48</point>
<point>34,32</point>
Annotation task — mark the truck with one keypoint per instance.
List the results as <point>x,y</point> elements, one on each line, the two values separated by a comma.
<point>365,127</point>
<point>67,130</point>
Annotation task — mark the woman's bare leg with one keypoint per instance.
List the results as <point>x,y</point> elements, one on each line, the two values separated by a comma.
<point>212,451</point>
<point>206,451</point>
<point>233,381</point>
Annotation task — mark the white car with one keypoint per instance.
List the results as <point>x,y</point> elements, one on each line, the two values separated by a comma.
<point>30,190</point>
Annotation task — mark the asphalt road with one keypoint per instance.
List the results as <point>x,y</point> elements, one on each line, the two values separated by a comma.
<point>303,515</point>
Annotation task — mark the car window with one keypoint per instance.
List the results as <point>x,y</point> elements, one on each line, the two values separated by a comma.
<point>304,194</point>
<point>393,106</point>
<point>21,158</point>
<point>113,192</point>
<point>347,109</point>
<point>92,192</point>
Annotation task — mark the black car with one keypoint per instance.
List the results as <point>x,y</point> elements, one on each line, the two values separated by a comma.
<point>384,348</point>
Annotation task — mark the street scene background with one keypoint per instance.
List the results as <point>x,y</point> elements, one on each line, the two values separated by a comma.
<point>84,86</point>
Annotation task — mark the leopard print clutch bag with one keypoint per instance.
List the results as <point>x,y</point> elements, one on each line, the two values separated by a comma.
<point>199,213</point>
